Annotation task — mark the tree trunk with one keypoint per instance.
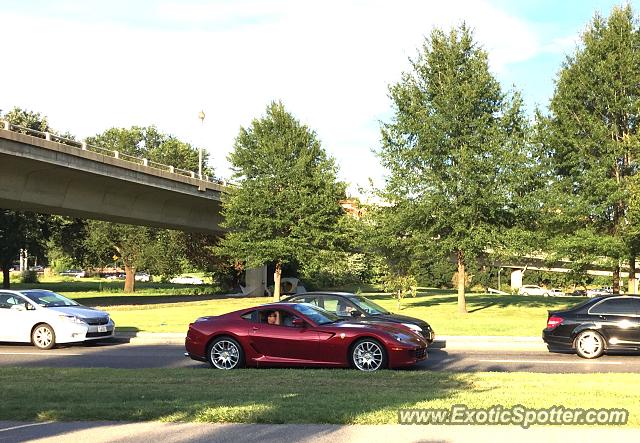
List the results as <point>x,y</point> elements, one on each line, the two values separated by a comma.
<point>616,279</point>
<point>399,297</point>
<point>276,281</point>
<point>130,278</point>
<point>462,304</point>
<point>632,275</point>
<point>6,278</point>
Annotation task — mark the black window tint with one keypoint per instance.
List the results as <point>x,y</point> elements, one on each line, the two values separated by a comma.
<point>618,306</point>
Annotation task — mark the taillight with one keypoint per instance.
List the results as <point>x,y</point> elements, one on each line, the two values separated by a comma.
<point>554,321</point>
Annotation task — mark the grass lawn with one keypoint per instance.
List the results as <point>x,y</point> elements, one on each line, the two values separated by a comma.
<point>166,307</point>
<point>292,395</point>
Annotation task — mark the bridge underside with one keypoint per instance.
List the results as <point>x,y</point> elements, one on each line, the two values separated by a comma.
<point>58,180</point>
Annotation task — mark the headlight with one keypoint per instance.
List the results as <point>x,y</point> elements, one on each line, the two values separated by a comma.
<point>402,338</point>
<point>72,319</point>
<point>415,328</point>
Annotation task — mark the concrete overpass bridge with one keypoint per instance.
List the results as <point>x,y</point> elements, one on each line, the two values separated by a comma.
<point>45,173</point>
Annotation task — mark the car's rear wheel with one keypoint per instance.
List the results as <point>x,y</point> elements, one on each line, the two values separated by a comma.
<point>368,355</point>
<point>43,336</point>
<point>225,353</point>
<point>589,344</point>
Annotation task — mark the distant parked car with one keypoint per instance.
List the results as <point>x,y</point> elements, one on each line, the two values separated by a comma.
<point>579,293</point>
<point>595,326</point>
<point>45,319</point>
<point>532,290</point>
<point>598,292</point>
<point>37,268</point>
<point>555,292</point>
<point>142,276</point>
<point>73,273</point>
<point>187,280</point>
<point>118,276</point>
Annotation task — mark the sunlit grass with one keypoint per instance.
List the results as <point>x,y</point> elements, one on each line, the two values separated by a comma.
<point>292,395</point>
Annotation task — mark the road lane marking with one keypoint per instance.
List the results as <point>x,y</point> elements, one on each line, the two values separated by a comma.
<point>25,426</point>
<point>557,362</point>
<point>40,354</point>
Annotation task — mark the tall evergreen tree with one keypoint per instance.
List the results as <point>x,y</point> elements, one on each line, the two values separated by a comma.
<point>286,205</point>
<point>591,142</point>
<point>453,149</point>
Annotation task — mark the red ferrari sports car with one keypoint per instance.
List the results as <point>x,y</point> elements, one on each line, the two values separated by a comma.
<point>300,334</point>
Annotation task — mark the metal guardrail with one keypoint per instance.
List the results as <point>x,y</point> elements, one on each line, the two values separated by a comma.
<point>83,145</point>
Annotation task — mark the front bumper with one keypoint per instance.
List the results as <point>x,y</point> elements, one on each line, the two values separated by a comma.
<point>401,356</point>
<point>72,333</point>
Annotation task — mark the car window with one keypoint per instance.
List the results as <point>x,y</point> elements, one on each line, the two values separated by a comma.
<point>617,306</point>
<point>311,299</point>
<point>8,300</point>
<point>331,304</point>
<point>251,316</point>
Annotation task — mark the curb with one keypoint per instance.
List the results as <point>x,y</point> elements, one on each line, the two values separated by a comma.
<point>445,342</point>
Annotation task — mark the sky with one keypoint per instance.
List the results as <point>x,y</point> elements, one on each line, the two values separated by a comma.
<point>90,65</point>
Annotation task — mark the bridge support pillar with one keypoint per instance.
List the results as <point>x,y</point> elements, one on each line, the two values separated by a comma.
<point>256,280</point>
<point>516,278</point>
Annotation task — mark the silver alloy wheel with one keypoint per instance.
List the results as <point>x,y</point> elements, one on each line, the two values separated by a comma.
<point>225,354</point>
<point>43,337</point>
<point>589,344</point>
<point>368,356</point>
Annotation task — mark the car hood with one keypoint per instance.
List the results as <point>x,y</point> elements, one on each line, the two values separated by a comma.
<point>79,311</point>
<point>380,326</point>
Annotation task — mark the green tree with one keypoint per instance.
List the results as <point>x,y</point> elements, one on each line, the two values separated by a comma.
<point>591,141</point>
<point>453,149</point>
<point>286,205</point>
<point>20,230</point>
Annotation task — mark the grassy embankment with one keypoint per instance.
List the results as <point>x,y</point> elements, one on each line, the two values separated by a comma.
<point>292,395</point>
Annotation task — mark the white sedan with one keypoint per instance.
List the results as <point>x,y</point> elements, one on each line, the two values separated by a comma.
<point>532,290</point>
<point>187,280</point>
<point>45,318</point>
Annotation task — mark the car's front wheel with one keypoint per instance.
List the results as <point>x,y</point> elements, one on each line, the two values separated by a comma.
<point>43,336</point>
<point>368,355</point>
<point>225,353</point>
<point>589,344</point>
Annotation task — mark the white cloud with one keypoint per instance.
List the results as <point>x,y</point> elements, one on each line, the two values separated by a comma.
<point>330,62</point>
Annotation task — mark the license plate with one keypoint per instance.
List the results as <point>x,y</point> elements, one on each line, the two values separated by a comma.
<point>102,329</point>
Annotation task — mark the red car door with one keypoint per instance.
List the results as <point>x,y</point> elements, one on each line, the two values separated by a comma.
<point>285,343</point>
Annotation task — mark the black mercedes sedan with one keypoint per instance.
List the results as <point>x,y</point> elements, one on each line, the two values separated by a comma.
<point>598,325</point>
<point>353,306</point>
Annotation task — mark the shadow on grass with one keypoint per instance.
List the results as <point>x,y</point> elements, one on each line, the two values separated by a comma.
<point>477,302</point>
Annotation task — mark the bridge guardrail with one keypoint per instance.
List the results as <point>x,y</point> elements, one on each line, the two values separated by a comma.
<point>49,136</point>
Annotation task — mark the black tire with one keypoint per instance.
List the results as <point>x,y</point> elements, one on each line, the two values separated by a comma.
<point>368,355</point>
<point>43,336</point>
<point>589,344</point>
<point>225,353</point>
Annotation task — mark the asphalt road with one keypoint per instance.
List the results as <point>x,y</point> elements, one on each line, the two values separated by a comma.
<point>131,356</point>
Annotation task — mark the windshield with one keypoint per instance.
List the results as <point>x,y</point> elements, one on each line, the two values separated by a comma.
<point>368,306</point>
<point>316,314</point>
<point>48,299</point>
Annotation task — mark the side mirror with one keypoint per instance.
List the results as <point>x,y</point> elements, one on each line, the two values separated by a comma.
<point>356,314</point>
<point>298,322</point>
